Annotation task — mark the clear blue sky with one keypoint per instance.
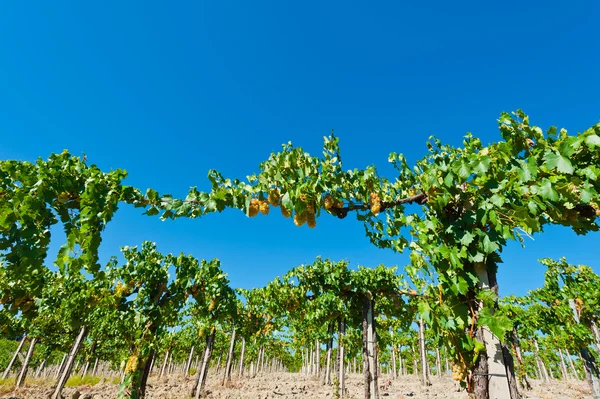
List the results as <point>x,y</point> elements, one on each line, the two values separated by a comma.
<point>170,90</point>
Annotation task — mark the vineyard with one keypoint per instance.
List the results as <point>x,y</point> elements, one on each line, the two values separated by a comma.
<point>149,324</point>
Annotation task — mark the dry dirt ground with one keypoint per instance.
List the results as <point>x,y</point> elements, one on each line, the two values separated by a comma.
<point>288,385</point>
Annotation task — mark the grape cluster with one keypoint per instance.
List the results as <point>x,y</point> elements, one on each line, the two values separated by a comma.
<point>212,305</point>
<point>459,372</point>
<point>375,204</point>
<point>308,216</point>
<point>330,202</point>
<point>274,197</point>
<point>132,364</point>
<point>299,218</point>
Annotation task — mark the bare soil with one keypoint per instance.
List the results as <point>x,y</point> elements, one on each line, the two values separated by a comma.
<point>288,385</point>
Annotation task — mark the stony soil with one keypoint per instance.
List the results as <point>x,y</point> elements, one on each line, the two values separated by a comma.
<point>288,385</point>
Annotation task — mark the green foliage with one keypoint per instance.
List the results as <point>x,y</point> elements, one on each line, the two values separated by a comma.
<point>7,349</point>
<point>473,199</point>
<point>466,202</point>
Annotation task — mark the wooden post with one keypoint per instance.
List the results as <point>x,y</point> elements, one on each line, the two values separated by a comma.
<point>329,349</point>
<point>494,371</point>
<point>369,348</point>
<point>317,358</point>
<point>438,363</point>
<point>62,363</point>
<point>203,372</point>
<point>393,354</point>
<point>188,364</point>
<point>423,352</point>
<point>25,365</point>
<point>228,362</point>
<point>14,358</point>
<point>563,366</point>
<point>66,372</point>
<point>164,366</point>
<point>341,354</point>
<point>591,369</point>
<point>540,363</point>
<point>242,353</point>
<point>95,367</point>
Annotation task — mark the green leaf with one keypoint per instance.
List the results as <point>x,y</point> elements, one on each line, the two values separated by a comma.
<point>592,140</point>
<point>482,165</point>
<point>489,246</point>
<point>562,164</point>
<point>497,200</point>
<point>462,285</point>
<point>449,179</point>
<point>498,324</point>
<point>467,239</point>
<point>547,191</point>
<point>425,312</point>
<point>477,258</point>
<point>464,172</point>
<point>286,201</point>
<point>587,195</point>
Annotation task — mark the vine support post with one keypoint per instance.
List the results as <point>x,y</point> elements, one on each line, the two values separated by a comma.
<point>595,332</point>
<point>311,362</point>
<point>563,366</point>
<point>494,376</point>
<point>438,363</point>
<point>14,358</point>
<point>95,369</point>
<point>341,354</point>
<point>329,349</point>
<point>203,373</point>
<point>518,353</point>
<point>69,364</point>
<point>164,366</point>
<point>539,363</point>
<point>229,361</point>
<point>40,369</point>
<point>25,365</point>
<point>423,353</point>
<point>592,373</point>
<point>317,358</point>
<point>415,362</point>
<point>573,369</point>
<point>394,367</point>
<point>369,349</point>
<point>242,353</point>
<point>188,364</point>
<point>60,367</point>
<point>401,362</point>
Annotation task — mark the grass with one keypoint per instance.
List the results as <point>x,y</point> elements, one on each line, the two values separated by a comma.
<point>7,382</point>
<point>78,380</point>
<point>7,385</point>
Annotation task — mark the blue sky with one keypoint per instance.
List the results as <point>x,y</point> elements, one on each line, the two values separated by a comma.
<point>168,91</point>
